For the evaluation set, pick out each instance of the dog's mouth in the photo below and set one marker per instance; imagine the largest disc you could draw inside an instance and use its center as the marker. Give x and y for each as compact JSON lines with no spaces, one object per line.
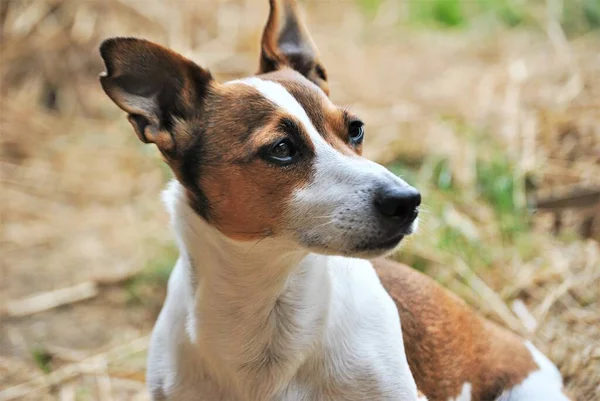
{"x":392,"y":242}
{"x":360,"y":240}
{"x":380,"y":246}
{"x":387,"y":243}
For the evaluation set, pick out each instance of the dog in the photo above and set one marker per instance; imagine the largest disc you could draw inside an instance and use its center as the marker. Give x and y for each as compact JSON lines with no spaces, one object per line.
{"x":281,"y":291}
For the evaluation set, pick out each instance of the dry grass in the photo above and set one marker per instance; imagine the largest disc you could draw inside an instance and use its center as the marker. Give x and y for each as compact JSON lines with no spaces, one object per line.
{"x":486,"y":121}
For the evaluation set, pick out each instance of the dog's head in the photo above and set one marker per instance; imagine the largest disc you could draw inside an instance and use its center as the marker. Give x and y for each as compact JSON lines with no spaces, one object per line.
{"x":268,"y":155}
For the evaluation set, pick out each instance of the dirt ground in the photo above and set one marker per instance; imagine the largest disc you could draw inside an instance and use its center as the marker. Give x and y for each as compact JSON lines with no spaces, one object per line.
{"x":80,"y":196}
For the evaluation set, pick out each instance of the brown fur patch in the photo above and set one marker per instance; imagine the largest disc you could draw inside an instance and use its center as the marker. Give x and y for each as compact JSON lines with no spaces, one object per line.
{"x":447,"y":344}
{"x":248,"y":199}
{"x":245,"y":195}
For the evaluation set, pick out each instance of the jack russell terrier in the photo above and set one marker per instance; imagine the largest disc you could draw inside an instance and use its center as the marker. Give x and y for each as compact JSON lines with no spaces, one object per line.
{"x":278,"y":293}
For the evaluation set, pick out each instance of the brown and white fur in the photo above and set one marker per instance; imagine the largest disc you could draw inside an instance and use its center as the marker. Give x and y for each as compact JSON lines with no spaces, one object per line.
{"x":276,"y":216}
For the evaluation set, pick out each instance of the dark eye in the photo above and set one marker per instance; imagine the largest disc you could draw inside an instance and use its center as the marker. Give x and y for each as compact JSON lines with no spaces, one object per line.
{"x":282,"y":151}
{"x":320,"y":72}
{"x":357,"y":132}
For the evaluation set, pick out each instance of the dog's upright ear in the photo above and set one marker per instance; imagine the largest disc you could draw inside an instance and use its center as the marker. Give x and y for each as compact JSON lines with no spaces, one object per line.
{"x":286,"y":42}
{"x":158,"y":88}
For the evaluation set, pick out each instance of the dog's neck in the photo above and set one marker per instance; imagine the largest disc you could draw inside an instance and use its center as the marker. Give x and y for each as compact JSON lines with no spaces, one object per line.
{"x":258,"y":307}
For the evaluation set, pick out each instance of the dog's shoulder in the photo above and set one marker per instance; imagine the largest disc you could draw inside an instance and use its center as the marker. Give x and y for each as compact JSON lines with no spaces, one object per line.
{"x":482,"y":360}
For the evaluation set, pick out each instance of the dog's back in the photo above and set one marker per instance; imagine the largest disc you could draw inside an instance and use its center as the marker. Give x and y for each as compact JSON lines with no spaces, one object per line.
{"x":453,"y":352}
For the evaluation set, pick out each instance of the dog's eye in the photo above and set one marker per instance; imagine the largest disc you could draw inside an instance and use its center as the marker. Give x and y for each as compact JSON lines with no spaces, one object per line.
{"x":282,"y":151}
{"x":357,"y":132}
{"x":320,"y":72}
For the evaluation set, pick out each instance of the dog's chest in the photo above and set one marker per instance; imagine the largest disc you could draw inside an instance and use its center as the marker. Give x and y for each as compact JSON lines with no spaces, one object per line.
{"x":361,"y":355}
{"x":357,"y":355}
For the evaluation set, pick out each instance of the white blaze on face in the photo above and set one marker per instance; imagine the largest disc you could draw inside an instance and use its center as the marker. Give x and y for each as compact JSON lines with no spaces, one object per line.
{"x":277,"y":94}
{"x":335,"y":209}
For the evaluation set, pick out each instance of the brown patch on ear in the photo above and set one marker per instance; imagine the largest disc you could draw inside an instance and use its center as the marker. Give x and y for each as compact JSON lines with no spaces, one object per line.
{"x":448,"y":344}
{"x":287,"y":43}
{"x":157,"y":87}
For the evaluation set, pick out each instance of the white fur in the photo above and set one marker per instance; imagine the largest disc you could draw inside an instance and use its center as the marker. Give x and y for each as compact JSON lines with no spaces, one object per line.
{"x":465,"y":394}
{"x":267,"y":321}
{"x":542,"y":384}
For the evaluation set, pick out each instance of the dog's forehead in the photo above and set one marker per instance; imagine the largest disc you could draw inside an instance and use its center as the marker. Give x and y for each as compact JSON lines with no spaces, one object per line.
{"x":238,"y":111}
{"x":313,"y":100}
{"x":309,"y":95}
{"x":291,"y":93}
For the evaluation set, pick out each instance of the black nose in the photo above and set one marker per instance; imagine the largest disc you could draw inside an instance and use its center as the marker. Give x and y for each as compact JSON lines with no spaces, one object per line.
{"x":398,"y":202}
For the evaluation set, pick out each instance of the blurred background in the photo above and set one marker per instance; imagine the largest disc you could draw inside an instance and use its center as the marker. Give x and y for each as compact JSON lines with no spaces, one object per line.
{"x":491,"y":108}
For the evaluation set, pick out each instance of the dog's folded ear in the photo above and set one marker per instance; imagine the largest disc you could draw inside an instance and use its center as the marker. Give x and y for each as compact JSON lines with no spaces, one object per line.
{"x":287,"y":43}
{"x":157,"y":87}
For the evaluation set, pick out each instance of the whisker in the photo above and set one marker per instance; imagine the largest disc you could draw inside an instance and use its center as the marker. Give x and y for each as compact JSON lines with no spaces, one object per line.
{"x":324,"y":224}
{"x":322,"y":217}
